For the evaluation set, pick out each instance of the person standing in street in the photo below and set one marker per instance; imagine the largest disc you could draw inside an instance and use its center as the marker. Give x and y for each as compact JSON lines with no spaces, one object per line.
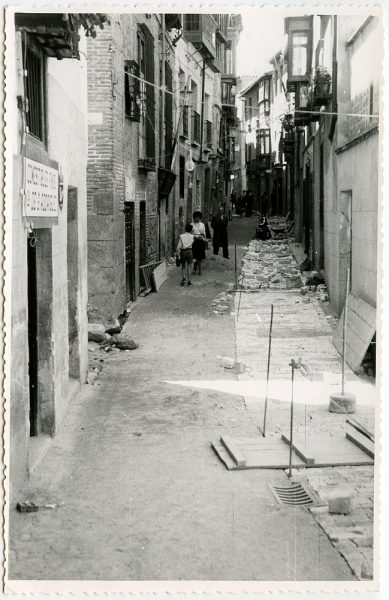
{"x":219,"y":225}
{"x":198,"y":248}
{"x":184,"y":251}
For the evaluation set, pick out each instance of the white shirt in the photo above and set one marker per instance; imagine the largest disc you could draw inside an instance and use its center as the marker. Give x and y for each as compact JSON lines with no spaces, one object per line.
{"x":198,"y":229}
{"x":185,"y":241}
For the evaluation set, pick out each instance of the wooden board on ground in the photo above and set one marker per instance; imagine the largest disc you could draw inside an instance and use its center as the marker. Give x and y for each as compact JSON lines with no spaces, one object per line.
{"x":361,"y":428}
{"x":326,"y":450}
{"x":159,"y":276}
{"x":361,"y":326}
{"x":256,"y":453}
{"x":362,"y":442}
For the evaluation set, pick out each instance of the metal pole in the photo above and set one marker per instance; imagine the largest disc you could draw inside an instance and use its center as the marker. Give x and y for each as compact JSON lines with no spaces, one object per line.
{"x":345,"y":329}
{"x":291,"y":423}
{"x":236,"y":279}
{"x":268,"y":370}
{"x":240,"y":297}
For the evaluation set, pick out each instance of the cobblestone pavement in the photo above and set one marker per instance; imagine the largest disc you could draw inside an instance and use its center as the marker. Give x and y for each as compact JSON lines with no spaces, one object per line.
{"x":301,"y":328}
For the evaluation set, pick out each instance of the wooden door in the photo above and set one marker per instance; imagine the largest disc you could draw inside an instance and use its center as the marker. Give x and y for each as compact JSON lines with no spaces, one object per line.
{"x":129,"y":219}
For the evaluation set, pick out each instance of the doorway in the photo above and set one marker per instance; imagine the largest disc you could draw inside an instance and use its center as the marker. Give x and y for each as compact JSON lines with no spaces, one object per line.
{"x":129,"y":228}
{"x":142,"y":233}
{"x":307,"y":211}
{"x":162,"y":228}
{"x":73,"y":273}
{"x":321,"y":209}
{"x":32,"y":303}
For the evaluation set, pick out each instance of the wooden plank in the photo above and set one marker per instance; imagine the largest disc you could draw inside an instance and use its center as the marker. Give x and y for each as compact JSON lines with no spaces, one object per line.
{"x":362,"y":442}
{"x":360,"y":427}
{"x":331,"y":450}
{"x":259,"y":453}
{"x":159,"y":276}
{"x":233,"y":450}
{"x":309,"y":460}
{"x":223,"y":455}
{"x":361,"y":326}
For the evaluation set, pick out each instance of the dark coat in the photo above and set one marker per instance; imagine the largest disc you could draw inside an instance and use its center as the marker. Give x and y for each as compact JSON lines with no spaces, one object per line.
{"x":219,"y":225}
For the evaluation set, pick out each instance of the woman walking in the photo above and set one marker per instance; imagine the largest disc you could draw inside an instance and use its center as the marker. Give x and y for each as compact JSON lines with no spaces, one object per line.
{"x":184,"y":251}
{"x":198,"y":230}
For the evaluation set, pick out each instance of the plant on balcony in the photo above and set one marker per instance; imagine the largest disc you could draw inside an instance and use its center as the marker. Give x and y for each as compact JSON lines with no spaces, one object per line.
{"x":322,"y":80}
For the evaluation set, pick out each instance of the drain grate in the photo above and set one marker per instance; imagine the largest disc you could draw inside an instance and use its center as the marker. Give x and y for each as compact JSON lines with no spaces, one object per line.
{"x":295,"y":494}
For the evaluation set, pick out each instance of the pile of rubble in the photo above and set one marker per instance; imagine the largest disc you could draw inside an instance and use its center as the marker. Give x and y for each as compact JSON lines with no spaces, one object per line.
{"x":269,"y":264}
{"x":106,"y":338}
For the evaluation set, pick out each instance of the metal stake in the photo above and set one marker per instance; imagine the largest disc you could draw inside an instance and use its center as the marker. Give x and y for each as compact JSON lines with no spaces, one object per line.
{"x":240,"y":297}
{"x":293,"y":365}
{"x":267,"y":375}
{"x":345,"y":329}
{"x":236,"y":279}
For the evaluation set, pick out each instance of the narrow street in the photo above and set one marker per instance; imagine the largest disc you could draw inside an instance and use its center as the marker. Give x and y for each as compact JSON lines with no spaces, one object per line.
{"x":135,"y":491}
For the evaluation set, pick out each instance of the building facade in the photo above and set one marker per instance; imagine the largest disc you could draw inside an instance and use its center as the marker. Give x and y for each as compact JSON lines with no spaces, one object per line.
{"x":48,"y":129}
{"x":159,"y":144}
{"x":124,"y":220}
{"x":336,"y":138}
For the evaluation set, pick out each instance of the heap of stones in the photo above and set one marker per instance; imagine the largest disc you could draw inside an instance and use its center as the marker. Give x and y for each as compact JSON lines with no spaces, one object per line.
{"x":269,"y":264}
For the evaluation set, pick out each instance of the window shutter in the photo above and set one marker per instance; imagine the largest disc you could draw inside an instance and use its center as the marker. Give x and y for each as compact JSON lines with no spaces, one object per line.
{"x":150,"y":93}
{"x":168,"y":116}
{"x":132,"y":90}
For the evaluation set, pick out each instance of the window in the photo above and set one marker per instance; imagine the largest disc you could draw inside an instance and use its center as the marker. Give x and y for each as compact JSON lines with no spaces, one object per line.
{"x":192,"y":22}
{"x":182,"y":176}
{"x":299,"y":49}
{"x":264,"y":141}
{"x":35,"y":90}
{"x":147,"y":119}
{"x":132,"y":90}
{"x":226,"y":92}
{"x":229,"y":65}
{"x":185,"y":121}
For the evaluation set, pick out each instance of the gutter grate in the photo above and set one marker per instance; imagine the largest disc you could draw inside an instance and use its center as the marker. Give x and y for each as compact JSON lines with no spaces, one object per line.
{"x":295,"y":494}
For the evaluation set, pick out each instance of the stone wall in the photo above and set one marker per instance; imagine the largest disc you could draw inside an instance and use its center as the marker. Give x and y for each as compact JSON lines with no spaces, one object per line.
{"x":57,"y":255}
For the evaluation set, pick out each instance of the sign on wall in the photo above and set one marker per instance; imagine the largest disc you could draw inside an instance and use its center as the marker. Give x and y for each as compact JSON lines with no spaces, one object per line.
{"x":41,"y":190}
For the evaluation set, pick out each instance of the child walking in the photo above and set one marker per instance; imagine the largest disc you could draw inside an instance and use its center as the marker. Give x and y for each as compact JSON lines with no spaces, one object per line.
{"x":184,"y":250}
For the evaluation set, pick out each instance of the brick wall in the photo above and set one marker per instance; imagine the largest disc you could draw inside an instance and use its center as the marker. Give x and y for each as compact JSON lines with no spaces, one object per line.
{"x":114,"y":178}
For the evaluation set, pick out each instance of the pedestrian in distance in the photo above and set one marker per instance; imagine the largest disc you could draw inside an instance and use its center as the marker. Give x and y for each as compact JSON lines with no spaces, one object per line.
{"x":219,"y":225}
{"x":198,"y":248}
{"x":184,"y":251}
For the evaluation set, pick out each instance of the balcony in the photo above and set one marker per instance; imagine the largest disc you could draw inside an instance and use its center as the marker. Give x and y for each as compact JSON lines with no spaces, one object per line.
{"x":200,"y":30}
{"x":221,"y":30}
{"x":196,"y":138}
{"x":217,"y":65}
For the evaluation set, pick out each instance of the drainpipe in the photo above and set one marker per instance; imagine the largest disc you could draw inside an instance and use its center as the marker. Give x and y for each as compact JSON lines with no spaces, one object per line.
{"x":202,"y":112}
{"x":202,"y":116}
{"x":162,"y":128}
